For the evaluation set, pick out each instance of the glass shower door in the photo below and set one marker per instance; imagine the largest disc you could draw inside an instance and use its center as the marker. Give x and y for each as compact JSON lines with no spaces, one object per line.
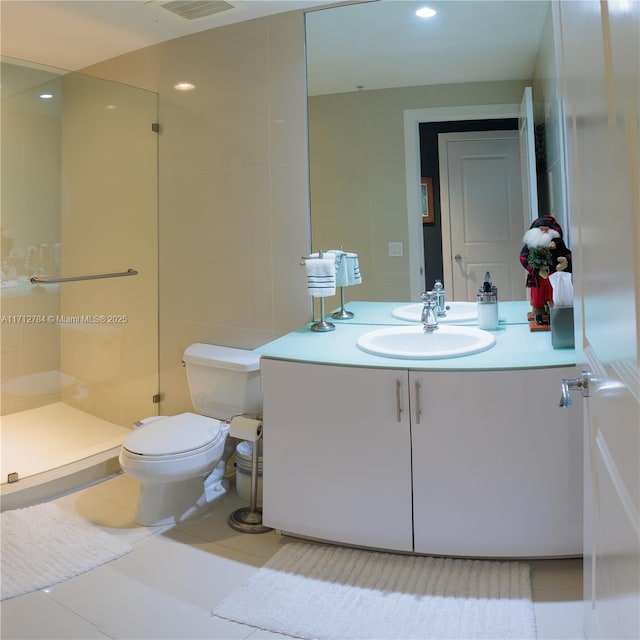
{"x":79,"y":297}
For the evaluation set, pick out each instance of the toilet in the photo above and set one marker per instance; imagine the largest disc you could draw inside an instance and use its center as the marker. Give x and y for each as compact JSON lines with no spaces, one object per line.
{"x":180,"y":460}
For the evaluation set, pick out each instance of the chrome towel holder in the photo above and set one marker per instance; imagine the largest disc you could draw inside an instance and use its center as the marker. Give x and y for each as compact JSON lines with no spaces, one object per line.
{"x":99,"y":276}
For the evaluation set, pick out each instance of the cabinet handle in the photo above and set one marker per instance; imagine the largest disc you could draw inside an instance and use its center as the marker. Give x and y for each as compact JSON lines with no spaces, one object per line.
{"x":398,"y":407}
{"x":418,"y":408}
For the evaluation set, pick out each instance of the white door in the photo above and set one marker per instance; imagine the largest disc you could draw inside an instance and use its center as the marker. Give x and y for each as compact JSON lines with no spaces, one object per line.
{"x":482,"y":212}
{"x":602,"y":97}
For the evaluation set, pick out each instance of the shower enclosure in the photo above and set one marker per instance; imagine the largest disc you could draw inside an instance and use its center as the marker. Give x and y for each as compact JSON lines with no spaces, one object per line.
{"x":79,"y":286}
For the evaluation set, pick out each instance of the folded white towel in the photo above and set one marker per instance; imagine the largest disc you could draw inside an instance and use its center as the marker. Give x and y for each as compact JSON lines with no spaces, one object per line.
{"x":342,"y":279}
{"x":321,"y":275}
{"x":347,"y":268}
{"x":352,"y":269}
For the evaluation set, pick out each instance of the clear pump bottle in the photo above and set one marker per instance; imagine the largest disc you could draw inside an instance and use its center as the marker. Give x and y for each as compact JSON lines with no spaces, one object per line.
{"x":487,"y":301}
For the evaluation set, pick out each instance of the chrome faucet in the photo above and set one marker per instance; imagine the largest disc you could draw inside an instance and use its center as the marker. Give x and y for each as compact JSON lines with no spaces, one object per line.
{"x":438,"y":289}
{"x":429,"y":316}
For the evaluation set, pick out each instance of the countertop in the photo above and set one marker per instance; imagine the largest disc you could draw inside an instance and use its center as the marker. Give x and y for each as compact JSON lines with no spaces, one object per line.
{"x":512,"y":312}
{"x":516,"y":346}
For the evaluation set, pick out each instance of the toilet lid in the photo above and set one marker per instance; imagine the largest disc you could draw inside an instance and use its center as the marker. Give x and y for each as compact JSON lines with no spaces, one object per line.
{"x":173,"y":435}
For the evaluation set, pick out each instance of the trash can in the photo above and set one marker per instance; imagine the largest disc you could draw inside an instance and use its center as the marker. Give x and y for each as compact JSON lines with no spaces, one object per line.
{"x":561,"y":320}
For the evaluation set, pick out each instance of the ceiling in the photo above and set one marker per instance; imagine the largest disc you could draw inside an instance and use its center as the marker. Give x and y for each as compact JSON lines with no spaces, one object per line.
{"x":73,"y":34}
{"x":371,"y":45}
{"x":383,"y":44}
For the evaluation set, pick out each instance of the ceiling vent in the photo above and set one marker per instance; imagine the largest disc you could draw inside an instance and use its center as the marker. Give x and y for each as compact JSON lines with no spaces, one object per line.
{"x":195,"y":9}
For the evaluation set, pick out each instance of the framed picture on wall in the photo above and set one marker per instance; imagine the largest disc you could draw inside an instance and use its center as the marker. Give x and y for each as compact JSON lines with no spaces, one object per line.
{"x":426,"y":199}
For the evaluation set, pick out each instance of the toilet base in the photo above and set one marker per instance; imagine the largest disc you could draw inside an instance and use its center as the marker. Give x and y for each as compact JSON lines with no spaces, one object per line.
{"x":161,"y":504}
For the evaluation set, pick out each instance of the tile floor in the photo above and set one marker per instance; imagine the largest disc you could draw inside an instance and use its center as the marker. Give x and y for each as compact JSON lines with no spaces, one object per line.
{"x":166,"y":586}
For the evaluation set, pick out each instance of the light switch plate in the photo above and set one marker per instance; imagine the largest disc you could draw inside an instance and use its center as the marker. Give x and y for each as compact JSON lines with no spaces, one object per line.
{"x":396,"y":249}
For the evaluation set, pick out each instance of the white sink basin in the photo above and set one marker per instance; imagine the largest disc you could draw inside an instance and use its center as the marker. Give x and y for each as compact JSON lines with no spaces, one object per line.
{"x":414,"y":342}
{"x":456,"y":312}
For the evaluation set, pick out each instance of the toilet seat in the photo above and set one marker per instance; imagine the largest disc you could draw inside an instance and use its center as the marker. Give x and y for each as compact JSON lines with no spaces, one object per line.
{"x":173,"y":437}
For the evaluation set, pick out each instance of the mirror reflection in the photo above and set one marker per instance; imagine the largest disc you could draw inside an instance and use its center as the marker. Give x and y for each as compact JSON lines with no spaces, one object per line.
{"x":384,"y":87}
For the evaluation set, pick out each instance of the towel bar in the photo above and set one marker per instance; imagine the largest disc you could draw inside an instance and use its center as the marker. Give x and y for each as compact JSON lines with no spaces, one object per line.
{"x":49,"y":280}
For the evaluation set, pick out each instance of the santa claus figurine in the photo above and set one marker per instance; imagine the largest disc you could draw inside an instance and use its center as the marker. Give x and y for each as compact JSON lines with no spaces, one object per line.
{"x":543,"y":253}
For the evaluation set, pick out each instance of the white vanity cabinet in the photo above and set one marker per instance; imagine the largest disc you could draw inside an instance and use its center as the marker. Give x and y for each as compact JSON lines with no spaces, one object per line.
{"x":337,"y":457}
{"x":497,"y":465}
{"x":468,"y":463}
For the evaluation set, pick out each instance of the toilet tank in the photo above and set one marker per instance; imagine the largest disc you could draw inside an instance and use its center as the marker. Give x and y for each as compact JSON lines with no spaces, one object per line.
{"x":223,"y":381}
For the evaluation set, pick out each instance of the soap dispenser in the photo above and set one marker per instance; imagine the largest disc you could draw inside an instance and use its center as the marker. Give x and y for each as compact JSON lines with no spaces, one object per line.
{"x":488,"y":304}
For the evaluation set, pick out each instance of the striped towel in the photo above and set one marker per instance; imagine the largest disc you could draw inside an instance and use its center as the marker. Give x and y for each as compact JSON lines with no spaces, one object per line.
{"x":347,"y":268}
{"x":353,"y":269}
{"x":321,"y":275}
{"x":342,"y":278}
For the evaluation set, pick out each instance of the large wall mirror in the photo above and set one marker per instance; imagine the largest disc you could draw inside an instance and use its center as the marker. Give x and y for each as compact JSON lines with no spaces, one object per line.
{"x":375,"y":72}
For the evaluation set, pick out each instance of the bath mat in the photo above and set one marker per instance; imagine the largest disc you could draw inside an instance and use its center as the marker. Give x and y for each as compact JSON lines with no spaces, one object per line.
{"x":44,"y":544}
{"x":336,"y":593}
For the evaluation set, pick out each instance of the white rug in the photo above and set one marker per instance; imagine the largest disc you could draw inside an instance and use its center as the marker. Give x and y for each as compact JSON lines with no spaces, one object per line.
{"x":43,"y":545}
{"x":336,"y":593}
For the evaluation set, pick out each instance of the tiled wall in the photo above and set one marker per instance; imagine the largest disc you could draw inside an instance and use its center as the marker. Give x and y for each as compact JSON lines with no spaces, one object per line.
{"x":233,"y":186}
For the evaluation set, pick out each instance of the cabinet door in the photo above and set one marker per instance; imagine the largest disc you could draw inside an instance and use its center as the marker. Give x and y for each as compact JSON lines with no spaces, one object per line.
{"x":337,"y":456}
{"x":497,"y":465}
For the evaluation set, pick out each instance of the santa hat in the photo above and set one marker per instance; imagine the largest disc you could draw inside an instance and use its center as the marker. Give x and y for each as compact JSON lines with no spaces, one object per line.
{"x":547,"y":221}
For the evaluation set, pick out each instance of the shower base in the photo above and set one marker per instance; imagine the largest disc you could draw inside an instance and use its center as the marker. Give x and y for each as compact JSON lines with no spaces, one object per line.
{"x":55,"y":449}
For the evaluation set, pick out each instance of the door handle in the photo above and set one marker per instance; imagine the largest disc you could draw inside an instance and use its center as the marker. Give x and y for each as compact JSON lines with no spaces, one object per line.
{"x":418,"y":407}
{"x":574,"y":384}
{"x":458,"y":257}
{"x":398,"y":403}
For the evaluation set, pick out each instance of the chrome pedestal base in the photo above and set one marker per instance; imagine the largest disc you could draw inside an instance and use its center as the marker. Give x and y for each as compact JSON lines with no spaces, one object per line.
{"x":323,"y":326}
{"x":247,"y":520}
{"x":342,"y":315}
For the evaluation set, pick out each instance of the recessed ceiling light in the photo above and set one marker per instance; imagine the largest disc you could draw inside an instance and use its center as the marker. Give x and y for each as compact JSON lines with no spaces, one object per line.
{"x":46,"y":96}
{"x":184,"y":86}
{"x":425,"y":12}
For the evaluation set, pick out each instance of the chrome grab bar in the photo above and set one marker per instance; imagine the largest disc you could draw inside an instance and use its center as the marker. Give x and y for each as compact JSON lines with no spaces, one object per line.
{"x":48,"y":280}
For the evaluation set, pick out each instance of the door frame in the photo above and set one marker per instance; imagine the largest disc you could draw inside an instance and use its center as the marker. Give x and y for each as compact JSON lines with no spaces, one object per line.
{"x":412,"y":120}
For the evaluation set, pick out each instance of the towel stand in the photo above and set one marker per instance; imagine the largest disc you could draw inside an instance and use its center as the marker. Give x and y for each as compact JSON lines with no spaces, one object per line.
{"x":249,"y":520}
{"x":342,"y":314}
{"x":322,"y":325}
